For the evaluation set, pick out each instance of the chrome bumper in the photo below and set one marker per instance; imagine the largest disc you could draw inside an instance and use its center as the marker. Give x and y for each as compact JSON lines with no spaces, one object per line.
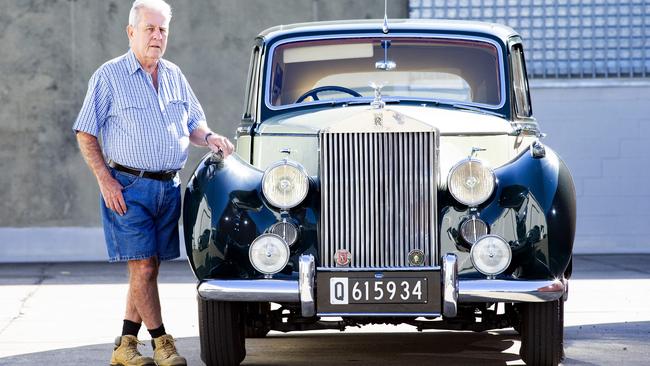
{"x":454,"y":290}
{"x":265,"y":290}
{"x":457,"y":290}
{"x":510,"y":290}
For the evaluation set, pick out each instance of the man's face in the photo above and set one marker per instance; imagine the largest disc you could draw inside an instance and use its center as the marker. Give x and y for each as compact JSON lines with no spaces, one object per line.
{"x":148,"y":39}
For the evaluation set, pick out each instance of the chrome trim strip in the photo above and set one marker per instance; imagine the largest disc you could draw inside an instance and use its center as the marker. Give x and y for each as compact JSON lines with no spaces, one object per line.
{"x":283,"y":134}
{"x":380,"y":314}
{"x":306,"y":285}
{"x":250,"y":290}
{"x":510,"y":290}
{"x":450,"y":285}
{"x":267,"y":57}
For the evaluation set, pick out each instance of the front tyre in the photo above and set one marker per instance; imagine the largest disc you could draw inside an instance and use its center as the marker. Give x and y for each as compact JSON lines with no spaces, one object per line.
{"x":221,"y":332}
{"x":542,"y":333}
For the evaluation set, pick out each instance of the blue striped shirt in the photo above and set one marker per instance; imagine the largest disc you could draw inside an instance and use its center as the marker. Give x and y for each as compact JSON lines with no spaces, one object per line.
{"x":140,"y":128}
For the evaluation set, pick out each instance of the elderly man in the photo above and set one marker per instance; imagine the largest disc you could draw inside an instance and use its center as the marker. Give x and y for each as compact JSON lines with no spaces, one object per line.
{"x":146,"y":114}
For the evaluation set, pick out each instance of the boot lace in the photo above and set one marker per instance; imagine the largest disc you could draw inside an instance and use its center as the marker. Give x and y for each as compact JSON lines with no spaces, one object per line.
{"x":167,"y":347}
{"x":131,"y":349}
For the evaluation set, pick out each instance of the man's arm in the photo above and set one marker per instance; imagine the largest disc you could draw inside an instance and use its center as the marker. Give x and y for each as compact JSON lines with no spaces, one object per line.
{"x":111,"y":189}
{"x":215,"y":142}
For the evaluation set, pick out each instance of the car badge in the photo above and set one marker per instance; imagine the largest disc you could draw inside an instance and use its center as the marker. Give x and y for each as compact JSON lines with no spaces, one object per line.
{"x":416,"y":257}
{"x":342,"y":258}
{"x":379,"y":119}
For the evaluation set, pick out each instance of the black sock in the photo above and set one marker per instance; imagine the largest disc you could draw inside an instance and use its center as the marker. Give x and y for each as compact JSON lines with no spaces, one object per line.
{"x":130,"y":328}
{"x":160,"y":331}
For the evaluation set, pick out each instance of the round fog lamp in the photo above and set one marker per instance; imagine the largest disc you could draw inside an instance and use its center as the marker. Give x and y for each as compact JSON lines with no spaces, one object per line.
{"x":473,"y":229}
{"x":286,"y":231}
{"x":491,"y":255}
{"x":269,"y":254}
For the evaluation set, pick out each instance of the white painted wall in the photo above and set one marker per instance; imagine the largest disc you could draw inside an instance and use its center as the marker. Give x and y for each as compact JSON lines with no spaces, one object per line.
{"x":602,"y":131}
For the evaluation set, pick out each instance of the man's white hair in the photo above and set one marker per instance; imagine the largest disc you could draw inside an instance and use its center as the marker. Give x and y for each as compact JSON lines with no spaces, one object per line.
{"x":160,"y":5}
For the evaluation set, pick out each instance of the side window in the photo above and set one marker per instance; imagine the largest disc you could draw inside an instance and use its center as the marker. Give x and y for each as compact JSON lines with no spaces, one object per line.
{"x":251,"y":85}
{"x":520,"y":82}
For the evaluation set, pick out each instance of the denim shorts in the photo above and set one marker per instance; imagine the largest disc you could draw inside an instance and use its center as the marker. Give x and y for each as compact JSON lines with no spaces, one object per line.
{"x":149,"y":228}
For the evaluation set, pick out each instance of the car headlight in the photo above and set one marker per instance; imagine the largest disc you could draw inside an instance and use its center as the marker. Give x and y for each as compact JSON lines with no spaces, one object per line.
{"x":491,"y":255}
{"x":285,"y":184}
{"x":269,"y":254}
{"x":471,"y":182}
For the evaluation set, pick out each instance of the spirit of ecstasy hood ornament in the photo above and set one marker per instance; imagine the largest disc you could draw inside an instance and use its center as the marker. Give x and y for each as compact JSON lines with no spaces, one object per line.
{"x":378,"y":104}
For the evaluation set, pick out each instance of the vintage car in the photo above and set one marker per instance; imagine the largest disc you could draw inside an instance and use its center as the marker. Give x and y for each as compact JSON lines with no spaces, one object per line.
{"x":385,"y":172}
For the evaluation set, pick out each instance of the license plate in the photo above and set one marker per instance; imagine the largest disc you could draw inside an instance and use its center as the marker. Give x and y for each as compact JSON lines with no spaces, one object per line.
{"x":378,"y":292}
{"x":344,"y":290}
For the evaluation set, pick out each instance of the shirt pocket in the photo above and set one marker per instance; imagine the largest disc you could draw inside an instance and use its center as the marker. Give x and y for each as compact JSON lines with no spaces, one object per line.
{"x":133,"y":111}
{"x":177,"y":112}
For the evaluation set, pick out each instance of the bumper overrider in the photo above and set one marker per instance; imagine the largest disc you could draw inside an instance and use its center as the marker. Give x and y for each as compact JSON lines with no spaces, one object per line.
{"x":455,"y":290}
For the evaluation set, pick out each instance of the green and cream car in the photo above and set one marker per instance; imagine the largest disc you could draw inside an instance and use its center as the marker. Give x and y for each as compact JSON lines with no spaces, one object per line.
{"x":385,"y":172}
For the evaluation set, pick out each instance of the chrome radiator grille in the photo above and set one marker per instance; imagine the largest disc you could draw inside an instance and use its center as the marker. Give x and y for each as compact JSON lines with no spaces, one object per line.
{"x":378,"y":193}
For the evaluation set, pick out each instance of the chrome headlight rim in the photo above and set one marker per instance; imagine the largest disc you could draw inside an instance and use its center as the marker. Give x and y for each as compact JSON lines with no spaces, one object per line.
{"x":481,"y":270}
{"x":460,"y":199}
{"x":269,"y":170}
{"x":262,"y":237}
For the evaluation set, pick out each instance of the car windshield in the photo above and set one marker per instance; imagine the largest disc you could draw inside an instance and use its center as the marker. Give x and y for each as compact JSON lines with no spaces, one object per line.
{"x":465,"y":71}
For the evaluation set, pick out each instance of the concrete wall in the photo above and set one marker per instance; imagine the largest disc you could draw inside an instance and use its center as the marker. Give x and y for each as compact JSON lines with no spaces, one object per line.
{"x":49,"y":199}
{"x":49,"y":49}
{"x":602,"y":131}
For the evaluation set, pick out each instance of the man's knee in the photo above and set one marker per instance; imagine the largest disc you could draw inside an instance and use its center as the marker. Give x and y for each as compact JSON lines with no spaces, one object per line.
{"x":144,"y":269}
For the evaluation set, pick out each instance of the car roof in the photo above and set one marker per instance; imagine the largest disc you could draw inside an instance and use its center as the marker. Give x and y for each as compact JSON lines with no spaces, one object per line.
{"x":401,"y":25}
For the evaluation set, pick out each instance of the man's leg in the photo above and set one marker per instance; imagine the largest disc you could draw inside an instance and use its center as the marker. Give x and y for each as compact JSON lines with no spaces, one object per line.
{"x":143,"y":301}
{"x":142,"y":294}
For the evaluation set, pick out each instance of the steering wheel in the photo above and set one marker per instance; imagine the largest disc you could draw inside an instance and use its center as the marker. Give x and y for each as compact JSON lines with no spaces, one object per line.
{"x":314,"y":92}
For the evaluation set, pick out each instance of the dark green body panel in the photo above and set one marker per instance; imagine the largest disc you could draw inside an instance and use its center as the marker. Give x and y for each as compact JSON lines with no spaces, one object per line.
{"x":533,"y":208}
{"x":224,"y":211}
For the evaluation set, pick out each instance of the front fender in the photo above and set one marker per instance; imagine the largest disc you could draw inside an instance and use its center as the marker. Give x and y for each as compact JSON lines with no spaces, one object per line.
{"x":223,"y":212}
{"x":533,"y":208}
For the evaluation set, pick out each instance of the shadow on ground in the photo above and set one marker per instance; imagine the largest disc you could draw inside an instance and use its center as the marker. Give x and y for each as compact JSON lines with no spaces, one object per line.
{"x":600,"y":344}
{"x":428,"y":348}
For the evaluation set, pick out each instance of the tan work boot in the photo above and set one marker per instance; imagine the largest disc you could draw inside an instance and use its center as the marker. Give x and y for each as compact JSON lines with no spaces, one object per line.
{"x":126,"y":353}
{"x":164,"y":352}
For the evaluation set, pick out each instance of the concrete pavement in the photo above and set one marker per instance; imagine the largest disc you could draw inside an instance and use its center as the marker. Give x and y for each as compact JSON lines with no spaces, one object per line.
{"x":68,"y":314}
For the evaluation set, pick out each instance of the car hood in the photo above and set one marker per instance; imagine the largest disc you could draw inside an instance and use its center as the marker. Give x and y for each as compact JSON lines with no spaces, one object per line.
{"x":461,"y":133}
{"x":393,"y":117}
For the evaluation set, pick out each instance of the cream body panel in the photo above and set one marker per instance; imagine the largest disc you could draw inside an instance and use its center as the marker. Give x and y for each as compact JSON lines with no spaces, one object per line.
{"x":447,"y":121}
{"x":304,"y":150}
{"x":499,"y":150}
{"x":459,"y":132}
{"x":243,"y":147}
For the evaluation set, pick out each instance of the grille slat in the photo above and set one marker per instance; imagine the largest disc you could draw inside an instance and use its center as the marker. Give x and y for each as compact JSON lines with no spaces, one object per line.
{"x":378,"y":195}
